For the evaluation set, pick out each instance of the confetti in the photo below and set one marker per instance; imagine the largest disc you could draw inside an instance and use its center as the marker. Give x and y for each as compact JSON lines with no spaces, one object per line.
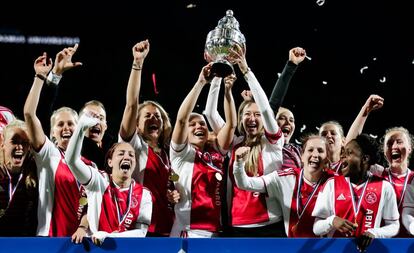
{"x":298,"y":142}
{"x":307,"y":57}
{"x":373,"y":136}
{"x":279,"y":74}
{"x":190,"y":6}
{"x":324,"y":82}
{"x":320,"y":2}
{"x":317,"y":128}
{"x":363,"y":68}
{"x":154,"y":82}
{"x":383,"y":79}
{"x":374,"y":59}
{"x":412,"y":62}
{"x":302,"y":128}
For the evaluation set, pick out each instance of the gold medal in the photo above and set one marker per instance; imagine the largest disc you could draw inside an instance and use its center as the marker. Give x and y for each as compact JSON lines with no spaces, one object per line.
{"x":83,"y":201}
{"x":2,"y":212}
{"x":174,"y":177}
{"x":219,"y":177}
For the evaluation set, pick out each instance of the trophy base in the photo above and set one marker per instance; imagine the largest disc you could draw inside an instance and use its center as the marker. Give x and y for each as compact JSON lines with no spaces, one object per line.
{"x":222,"y":68}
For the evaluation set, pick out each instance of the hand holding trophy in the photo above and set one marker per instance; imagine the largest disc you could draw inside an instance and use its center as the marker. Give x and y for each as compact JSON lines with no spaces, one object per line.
{"x":218,"y":43}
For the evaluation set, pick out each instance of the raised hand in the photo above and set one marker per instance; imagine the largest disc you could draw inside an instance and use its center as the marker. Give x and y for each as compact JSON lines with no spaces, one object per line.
{"x":205,"y":74}
{"x":229,"y":80}
{"x":88,"y":119}
{"x":238,"y":55}
{"x":297,"y":55}
{"x":140,"y":51}
{"x":247,"y":95}
{"x":63,"y":60}
{"x":42,"y":66}
{"x":374,"y":102}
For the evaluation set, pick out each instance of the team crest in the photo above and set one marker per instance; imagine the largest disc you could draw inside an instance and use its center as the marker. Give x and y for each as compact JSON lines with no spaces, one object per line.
{"x":371,"y":198}
{"x":134,"y":202}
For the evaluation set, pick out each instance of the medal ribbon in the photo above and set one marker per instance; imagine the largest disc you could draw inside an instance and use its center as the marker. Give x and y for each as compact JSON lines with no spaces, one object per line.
{"x":11,"y":188}
{"x":121,"y":217}
{"x":404,"y":187}
{"x":351,"y":189}
{"x":298,"y":202}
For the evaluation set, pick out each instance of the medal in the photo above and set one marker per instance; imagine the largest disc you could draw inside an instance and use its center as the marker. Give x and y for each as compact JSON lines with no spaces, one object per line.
{"x":174,"y":176}
{"x":219,"y":177}
{"x":2,"y":212}
{"x":294,"y":228}
{"x":83,"y":201}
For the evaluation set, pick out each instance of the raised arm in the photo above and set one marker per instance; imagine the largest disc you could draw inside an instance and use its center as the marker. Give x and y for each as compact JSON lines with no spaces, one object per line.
{"x":296,"y":56}
{"x":374,"y":102}
{"x":179,"y":135}
{"x":213,"y":117}
{"x":36,"y":134}
{"x":80,"y":170}
{"x":129,"y":119}
{"x":226,"y":134}
{"x":63,"y":62}
{"x":244,"y":182}
{"x":269,"y":121}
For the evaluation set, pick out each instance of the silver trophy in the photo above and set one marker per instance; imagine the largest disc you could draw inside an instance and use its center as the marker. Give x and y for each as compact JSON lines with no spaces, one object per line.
{"x":225,"y":36}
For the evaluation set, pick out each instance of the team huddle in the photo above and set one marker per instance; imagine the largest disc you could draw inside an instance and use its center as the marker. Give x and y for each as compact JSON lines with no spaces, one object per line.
{"x":242,"y":178}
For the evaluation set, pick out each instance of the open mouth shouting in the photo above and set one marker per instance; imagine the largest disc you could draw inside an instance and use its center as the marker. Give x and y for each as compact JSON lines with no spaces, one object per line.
{"x":95,"y":131}
{"x":66,"y":135}
{"x":17,"y":157}
{"x":126,"y":166}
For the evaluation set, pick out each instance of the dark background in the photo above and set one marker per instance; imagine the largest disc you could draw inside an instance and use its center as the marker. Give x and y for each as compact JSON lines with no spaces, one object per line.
{"x":340,"y":36}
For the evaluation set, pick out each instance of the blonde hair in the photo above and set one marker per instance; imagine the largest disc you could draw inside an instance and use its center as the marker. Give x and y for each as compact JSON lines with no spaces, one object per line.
{"x":255,"y":142}
{"x":31,"y":178}
{"x":165,"y":135}
{"x":335,"y":123}
{"x":402,"y":130}
{"x":54,"y":115}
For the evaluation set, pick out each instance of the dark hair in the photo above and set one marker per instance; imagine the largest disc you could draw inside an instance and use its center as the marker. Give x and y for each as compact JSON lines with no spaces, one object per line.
{"x":368,"y":146}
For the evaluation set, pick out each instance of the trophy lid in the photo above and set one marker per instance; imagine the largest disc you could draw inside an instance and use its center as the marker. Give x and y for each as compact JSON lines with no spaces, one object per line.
{"x":228,"y":21}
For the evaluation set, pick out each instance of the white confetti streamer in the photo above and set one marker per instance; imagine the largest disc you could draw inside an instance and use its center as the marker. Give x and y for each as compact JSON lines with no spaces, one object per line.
{"x":320,"y":2}
{"x":324,"y":82}
{"x":189,"y":6}
{"x":302,"y":128}
{"x":373,"y":136}
{"x":279,"y":74}
{"x":298,"y":142}
{"x":363,"y":68}
{"x":317,"y":128}
{"x":307,"y":57}
{"x":374,"y":59}
{"x":383,"y":79}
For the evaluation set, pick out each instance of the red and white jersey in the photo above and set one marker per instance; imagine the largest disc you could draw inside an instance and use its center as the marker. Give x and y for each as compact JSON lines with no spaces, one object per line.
{"x":336,"y":167}
{"x":111,"y":208}
{"x":297,"y":197}
{"x":153,"y":171}
{"x":59,"y":193}
{"x":366,"y":204}
{"x":399,"y":183}
{"x":200,"y":187}
{"x":252,"y":209}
